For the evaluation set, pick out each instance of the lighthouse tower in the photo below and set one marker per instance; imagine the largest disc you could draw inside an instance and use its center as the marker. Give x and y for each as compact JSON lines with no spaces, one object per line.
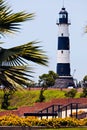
{"x":63,"y":55}
{"x":63,"y":51}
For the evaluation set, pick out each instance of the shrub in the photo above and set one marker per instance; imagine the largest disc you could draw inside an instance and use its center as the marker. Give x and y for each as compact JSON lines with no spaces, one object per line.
{"x":84,"y":93}
{"x":71,"y":93}
{"x":5,"y":104}
{"x":13,"y":120}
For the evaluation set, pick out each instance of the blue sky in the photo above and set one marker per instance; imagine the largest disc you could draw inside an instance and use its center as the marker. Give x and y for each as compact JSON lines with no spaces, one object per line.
{"x":43,"y":28}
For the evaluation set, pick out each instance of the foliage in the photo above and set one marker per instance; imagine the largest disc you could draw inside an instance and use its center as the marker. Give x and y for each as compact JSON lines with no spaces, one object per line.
{"x":14,"y":65}
{"x":13,"y":120}
{"x":9,"y":21}
{"x":84,"y":93}
{"x":41,"y":96}
{"x":29,"y":97}
{"x":47,"y":80}
{"x":5,"y":102}
{"x":84,"y":82}
{"x":71,"y":93}
{"x":6,"y":98}
{"x":85,"y":78}
{"x":30,"y":85}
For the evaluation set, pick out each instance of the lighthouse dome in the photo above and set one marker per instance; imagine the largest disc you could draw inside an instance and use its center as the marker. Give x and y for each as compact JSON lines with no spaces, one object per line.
{"x":63,"y":10}
{"x":63,"y":16}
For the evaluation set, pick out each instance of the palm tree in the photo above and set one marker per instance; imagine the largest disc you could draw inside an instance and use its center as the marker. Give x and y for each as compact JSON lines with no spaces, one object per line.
{"x":14,"y":68}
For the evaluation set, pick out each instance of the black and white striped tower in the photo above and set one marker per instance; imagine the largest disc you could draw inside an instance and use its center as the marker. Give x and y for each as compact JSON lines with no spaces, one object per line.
{"x":63,"y":51}
{"x":63,"y":55}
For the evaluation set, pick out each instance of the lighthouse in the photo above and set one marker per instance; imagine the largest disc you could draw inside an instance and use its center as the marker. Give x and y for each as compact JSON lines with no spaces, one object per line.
{"x":63,"y":51}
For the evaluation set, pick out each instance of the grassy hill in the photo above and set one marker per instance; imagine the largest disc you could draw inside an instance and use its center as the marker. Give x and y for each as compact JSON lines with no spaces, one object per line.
{"x":29,"y":97}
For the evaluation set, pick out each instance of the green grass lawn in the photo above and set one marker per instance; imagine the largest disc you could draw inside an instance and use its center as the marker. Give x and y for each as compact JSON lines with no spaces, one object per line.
{"x":67,"y":129}
{"x":29,"y":97}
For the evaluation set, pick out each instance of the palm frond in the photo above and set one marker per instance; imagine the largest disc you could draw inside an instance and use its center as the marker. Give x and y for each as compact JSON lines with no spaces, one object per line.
{"x":9,"y":21}
{"x":12,"y":61}
{"x":18,"y":55}
{"x":10,"y":75}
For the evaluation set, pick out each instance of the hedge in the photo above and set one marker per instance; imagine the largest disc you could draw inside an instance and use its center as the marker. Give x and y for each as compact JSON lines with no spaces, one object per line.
{"x":13,"y":120}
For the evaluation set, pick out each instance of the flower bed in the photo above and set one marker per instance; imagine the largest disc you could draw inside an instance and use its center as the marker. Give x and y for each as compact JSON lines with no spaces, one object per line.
{"x":28,"y":122}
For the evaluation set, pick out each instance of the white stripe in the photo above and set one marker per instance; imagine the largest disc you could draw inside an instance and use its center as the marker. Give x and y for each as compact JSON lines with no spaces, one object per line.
{"x":63,"y":30}
{"x":63,"y":56}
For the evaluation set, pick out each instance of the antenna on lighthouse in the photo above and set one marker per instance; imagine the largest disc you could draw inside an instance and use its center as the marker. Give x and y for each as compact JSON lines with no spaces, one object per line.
{"x":63,"y":3}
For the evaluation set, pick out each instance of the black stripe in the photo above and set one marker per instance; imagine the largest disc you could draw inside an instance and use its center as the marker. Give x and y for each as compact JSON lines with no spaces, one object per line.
{"x":63,"y":43}
{"x":63,"y":69}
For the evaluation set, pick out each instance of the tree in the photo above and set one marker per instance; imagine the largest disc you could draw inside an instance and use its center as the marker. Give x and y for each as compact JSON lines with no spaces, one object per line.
{"x":84,"y":82}
{"x":14,"y":68}
{"x":45,"y":81}
{"x":85,"y":78}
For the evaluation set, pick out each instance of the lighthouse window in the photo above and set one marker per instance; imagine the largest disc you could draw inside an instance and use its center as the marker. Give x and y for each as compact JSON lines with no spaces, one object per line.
{"x":62,"y":52}
{"x":61,"y":34}
{"x":64,"y":15}
{"x":60,"y":15}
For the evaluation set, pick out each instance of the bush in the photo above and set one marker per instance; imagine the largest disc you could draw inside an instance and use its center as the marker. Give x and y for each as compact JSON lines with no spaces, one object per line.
{"x":84,"y":93}
{"x":13,"y":120}
{"x":71,"y":93}
{"x":5,"y":104}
